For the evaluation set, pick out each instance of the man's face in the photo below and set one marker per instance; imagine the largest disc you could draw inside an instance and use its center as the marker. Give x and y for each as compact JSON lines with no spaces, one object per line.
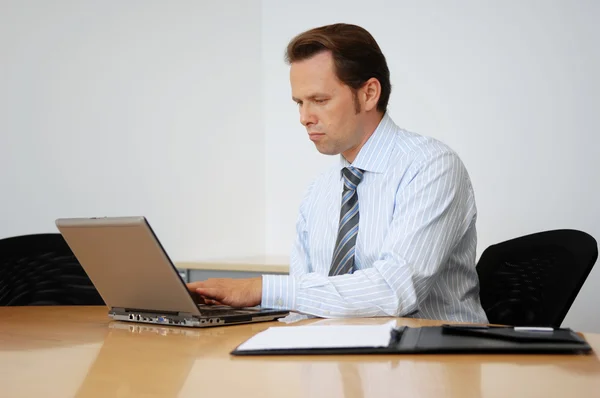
{"x":328,"y":109}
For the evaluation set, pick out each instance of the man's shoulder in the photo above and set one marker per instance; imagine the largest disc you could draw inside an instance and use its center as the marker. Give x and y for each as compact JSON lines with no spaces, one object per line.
{"x":326,"y":175}
{"x":323,"y":179}
{"x":418,"y":147}
{"x":413,"y":153}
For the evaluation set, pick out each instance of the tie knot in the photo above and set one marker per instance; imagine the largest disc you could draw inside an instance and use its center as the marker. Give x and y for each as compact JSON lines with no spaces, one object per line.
{"x":352,"y":177}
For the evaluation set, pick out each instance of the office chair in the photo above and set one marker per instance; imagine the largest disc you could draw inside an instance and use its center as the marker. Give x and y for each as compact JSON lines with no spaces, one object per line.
{"x":41,"y":269}
{"x":534,"y":279}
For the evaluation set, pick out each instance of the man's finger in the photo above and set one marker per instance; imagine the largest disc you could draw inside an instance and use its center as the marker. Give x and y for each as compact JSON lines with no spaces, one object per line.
{"x":192,"y":286}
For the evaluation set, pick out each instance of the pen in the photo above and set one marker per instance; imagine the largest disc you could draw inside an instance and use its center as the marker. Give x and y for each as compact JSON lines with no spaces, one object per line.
{"x":515,"y":328}
{"x":532,"y":329}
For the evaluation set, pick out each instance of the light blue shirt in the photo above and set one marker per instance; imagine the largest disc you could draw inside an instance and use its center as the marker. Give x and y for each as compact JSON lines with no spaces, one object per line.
{"x":416,"y":245}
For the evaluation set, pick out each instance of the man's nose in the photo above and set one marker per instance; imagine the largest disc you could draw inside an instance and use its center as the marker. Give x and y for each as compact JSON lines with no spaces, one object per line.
{"x":306,"y":117}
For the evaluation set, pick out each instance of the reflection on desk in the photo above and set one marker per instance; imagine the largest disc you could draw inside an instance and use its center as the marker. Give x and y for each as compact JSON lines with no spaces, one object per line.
{"x":126,"y":363}
{"x":67,"y":351}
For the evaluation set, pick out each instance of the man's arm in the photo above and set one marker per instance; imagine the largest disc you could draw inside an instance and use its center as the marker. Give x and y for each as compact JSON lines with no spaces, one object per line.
{"x":432,"y":214}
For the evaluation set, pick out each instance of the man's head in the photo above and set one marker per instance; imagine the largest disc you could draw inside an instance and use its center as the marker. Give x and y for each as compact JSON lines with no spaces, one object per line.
{"x":341,"y":83}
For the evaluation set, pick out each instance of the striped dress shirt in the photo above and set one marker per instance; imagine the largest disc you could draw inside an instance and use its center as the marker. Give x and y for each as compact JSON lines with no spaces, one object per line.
{"x":416,"y":244}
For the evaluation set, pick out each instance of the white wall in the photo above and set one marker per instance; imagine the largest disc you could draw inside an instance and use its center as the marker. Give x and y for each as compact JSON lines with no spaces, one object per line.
{"x":512,"y":86}
{"x":134,"y":108}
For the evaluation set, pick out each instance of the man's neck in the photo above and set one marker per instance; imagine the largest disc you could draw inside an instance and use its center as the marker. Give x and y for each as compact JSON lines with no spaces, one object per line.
{"x":370,"y":126}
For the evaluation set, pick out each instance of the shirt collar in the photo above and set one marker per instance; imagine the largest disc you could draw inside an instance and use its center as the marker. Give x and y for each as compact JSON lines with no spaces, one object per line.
{"x":374,"y":155}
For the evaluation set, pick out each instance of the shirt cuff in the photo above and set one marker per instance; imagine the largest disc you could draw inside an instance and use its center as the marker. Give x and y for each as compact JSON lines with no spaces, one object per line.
{"x":278,"y":292}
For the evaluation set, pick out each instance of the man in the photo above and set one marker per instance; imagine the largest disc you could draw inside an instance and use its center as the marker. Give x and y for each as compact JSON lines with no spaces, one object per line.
{"x":413,"y":251}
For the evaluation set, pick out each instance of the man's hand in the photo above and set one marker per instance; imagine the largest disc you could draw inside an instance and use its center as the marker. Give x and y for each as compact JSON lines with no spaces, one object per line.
{"x":233,"y":292}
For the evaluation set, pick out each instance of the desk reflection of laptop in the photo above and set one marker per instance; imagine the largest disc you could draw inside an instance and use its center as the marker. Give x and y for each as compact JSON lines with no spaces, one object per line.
{"x":143,"y":360}
{"x":136,"y":278}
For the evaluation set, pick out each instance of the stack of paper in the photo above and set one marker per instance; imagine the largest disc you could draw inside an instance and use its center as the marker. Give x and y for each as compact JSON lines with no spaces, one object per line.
{"x":298,"y":337}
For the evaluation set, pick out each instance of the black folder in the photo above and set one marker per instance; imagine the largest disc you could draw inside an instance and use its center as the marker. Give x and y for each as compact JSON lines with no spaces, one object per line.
{"x":457,"y":339}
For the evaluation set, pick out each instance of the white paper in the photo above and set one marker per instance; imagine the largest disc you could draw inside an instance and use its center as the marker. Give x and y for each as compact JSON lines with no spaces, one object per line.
{"x":301,"y":337}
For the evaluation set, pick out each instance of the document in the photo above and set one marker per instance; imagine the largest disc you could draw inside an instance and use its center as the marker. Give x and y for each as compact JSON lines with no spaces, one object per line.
{"x":332,"y":336}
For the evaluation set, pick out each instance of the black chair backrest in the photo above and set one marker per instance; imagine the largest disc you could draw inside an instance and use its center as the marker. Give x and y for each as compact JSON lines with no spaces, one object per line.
{"x":534,"y":279}
{"x":41,"y":269}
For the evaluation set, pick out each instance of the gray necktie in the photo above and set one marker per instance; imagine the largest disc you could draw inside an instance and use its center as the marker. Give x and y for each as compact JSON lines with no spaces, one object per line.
{"x":345,"y":246}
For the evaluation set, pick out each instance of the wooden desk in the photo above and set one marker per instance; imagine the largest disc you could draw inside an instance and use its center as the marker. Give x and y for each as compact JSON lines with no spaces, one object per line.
{"x":77,"y":352}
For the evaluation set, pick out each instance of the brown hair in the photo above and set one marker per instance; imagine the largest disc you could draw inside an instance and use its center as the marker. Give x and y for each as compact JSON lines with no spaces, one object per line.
{"x":356,"y":55}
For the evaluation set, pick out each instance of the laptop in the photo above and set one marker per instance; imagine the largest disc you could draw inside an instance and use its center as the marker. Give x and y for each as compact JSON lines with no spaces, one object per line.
{"x":136,"y":278}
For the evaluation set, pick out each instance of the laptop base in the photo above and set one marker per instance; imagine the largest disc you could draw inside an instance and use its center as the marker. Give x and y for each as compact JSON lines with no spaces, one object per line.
{"x":189,"y":320}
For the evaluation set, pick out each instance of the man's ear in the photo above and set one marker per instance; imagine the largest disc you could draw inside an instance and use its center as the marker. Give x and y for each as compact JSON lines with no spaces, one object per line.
{"x":371,"y":91}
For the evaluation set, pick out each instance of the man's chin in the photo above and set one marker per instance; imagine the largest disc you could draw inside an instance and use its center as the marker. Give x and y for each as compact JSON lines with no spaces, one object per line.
{"x":326,"y":151}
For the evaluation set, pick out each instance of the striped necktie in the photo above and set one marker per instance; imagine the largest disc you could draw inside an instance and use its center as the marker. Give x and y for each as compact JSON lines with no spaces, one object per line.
{"x":345,"y":246}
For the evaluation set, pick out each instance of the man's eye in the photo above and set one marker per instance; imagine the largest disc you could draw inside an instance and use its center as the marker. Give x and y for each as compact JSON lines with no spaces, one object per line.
{"x":320,"y":101}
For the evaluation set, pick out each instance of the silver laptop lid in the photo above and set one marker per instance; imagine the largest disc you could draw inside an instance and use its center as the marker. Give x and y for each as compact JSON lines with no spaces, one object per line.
{"x":127,"y":264}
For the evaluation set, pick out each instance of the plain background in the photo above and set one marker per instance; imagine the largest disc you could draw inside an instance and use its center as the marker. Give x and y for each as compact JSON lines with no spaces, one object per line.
{"x":181,"y":112}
